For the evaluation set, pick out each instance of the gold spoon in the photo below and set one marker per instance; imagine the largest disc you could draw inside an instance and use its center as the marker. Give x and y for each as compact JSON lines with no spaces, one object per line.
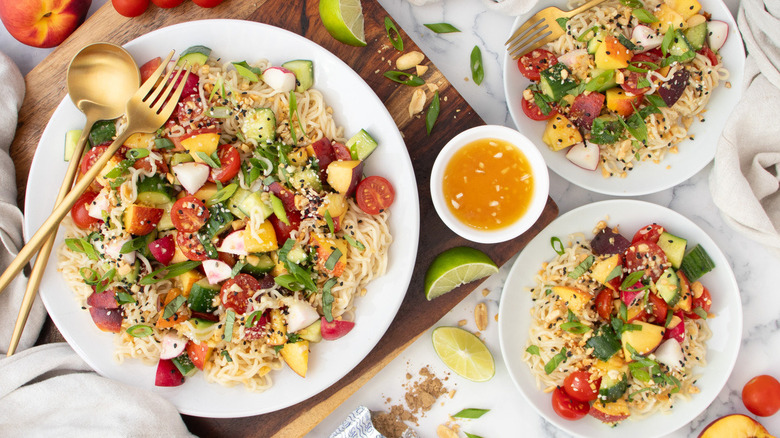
{"x":102,"y":77}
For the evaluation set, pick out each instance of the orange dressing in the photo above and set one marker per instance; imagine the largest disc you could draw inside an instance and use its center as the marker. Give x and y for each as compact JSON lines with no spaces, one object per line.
{"x":488,"y":184}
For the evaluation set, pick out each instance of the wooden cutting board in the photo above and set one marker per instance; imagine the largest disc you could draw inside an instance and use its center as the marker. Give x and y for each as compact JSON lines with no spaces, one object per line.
{"x":46,"y":87}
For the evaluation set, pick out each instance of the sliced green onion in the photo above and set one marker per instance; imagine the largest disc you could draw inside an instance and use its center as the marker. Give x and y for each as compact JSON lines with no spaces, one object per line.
{"x":433,"y":113}
{"x":471,"y":413}
{"x":623,"y":312}
{"x":477,"y":70}
{"x":351,"y":240}
{"x":556,"y":360}
{"x":230,"y":320}
{"x":82,"y":246}
{"x":171,"y":271}
{"x":327,"y":299}
{"x":557,"y":245}
{"x":667,"y":41}
{"x":409,"y":79}
{"x":253,"y":318}
{"x":631,"y":3}
{"x":562,"y":22}
{"x":442,"y":27}
{"x":173,"y":306}
{"x":139,"y":331}
{"x":219,"y":112}
{"x":575,"y":327}
{"x":616,"y":272}
{"x":222,"y":195}
{"x":628,"y":44}
{"x":583,"y":36}
{"x":394,"y":35}
{"x":209,"y":160}
{"x":133,"y":245}
{"x":631,"y":279}
{"x":137,"y":153}
{"x":236,"y":269}
{"x":471,"y":435}
{"x":329,"y":221}
{"x":302,"y":275}
{"x":582,"y":267}
{"x":288,"y":281}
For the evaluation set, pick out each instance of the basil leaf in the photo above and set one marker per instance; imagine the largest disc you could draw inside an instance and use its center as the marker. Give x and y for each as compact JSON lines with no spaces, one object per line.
{"x":628,"y":44}
{"x":623,"y":312}
{"x":226,"y":355}
{"x":409,"y":79}
{"x":119,"y":169}
{"x":556,"y":360}
{"x":533,"y":349}
{"x":139,"y":331}
{"x":562,"y":22}
{"x":606,"y":131}
{"x":208,"y":160}
{"x":133,"y":245}
{"x":656,"y":100}
{"x":327,"y":299}
{"x":605,"y":343}
{"x":162,"y":143}
{"x":173,"y":306}
{"x":136,"y":154}
{"x":616,"y":272}
{"x":600,"y":80}
{"x":355,"y":243}
{"x":230,"y":320}
{"x":394,"y":35}
{"x":288,"y":281}
{"x":581,"y":268}
{"x":669,"y":315}
{"x":667,"y":41}
{"x":557,"y":245}
{"x":644,"y":16}
{"x":302,"y":275}
{"x":477,"y":70}
{"x":171,"y":271}
{"x":247,"y":71}
{"x":631,"y":279}
{"x":642,"y":82}
{"x":236,"y":269}
{"x":82,"y":246}
{"x":442,"y":27}
{"x":433,"y":113}
{"x":124,"y":298}
{"x":543,"y":102}
{"x":472,"y":413}
{"x":333,"y":258}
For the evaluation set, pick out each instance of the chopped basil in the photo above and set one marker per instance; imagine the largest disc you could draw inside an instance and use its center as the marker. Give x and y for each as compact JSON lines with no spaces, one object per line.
{"x":82,"y":246}
{"x":668,"y":40}
{"x":471,"y":413}
{"x":557,"y":245}
{"x":543,"y":102}
{"x":442,"y":27}
{"x":230,"y":320}
{"x":355,"y":243}
{"x":631,"y":279}
{"x":632,"y":3}
{"x":628,"y":44}
{"x":226,"y":355}
{"x":211,"y":160}
{"x":701,"y":312}
{"x":173,"y":306}
{"x":302,"y":275}
{"x":134,"y":245}
{"x":137,"y":153}
{"x":570,"y":316}
{"x":327,"y":299}
{"x":247,"y":71}
{"x":631,"y":328}
{"x":532,"y":349}
{"x":642,"y":82}
{"x":644,"y":16}
{"x":409,"y":79}
{"x":333,"y":258}
{"x":162,"y":143}
{"x":433,"y":113}
{"x":623,"y":311}
{"x":600,"y":80}
{"x":288,"y":281}
{"x":556,"y":360}
{"x":562,"y":22}
{"x":655,"y":100}
{"x":139,"y":331}
{"x":171,"y":271}
{"x":394,"y":35}
{"x":635,"y":125}
{"x":477,"y":70}
{"x":584,"y":35}
{"x":236,"y":269}
{"x":124,"y":298}
{"x":669,"y":314}
{"x":606,"y":130}
{"x":208,"y":245}
{"x":329,"y":221}
{"x":605,"y":343}
{"x":581,"y":268}
{"x":616,"y":272}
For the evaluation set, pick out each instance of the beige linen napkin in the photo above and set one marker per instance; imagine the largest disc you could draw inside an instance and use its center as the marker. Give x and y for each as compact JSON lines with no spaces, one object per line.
{"x":744,"y":180}
{"x":48,"y":390}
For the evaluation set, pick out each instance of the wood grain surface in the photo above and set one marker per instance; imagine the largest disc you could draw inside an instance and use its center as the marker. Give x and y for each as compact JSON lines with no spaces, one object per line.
{"x":46,"y":87}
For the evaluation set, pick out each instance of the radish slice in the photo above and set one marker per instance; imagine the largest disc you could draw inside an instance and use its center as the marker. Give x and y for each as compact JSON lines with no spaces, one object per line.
{"x":167,"y":374}
{"x":99,"y":205}
{"x":216,"y":270}
{"x":585,"y":155}
{"x":172,"y":346}
{"x":279,"y":78}
{"x":676,"y":332}
{"x":192,"y":175}
{"x":573,"y":57}
{"x":300,"y":315}
{"x":670,"y":353}
{"x":631,"y":297}
{"x":163,"y":249}
{"x":717,"y":33}
{"x":646,"y":37}
{"x":234,"y":244}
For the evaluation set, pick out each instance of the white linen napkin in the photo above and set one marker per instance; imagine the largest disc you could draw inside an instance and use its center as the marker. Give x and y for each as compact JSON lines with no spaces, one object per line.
{"x":744,"y":180}
{"x":49,"y":390}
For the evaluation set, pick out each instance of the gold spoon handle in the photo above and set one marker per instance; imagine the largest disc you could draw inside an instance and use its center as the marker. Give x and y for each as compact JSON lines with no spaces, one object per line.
{"x":59,"y":212}
{"x":43,"y":255}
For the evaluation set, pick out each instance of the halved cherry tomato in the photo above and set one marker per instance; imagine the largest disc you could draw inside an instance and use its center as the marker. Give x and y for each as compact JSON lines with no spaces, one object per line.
{"x":374,"y":194}
{"x":230,"y":161}
{"x":188,"y":214}
{"x":585,"y":108}
{"x":149,"y":68}
{"x":79,"y":212}
{"x":644,"y":59}
{"x":648,"y":233}
{"x":283,"y":230}
{"x":341,"y":152}
{"x":88,"y":160}
{"x":704,"y":302}
{"x":604,"y":304}
{"x":190,"y":246}
{"x":631,"y":82}
{"x":187,"y":110}
{"x":648,"y":256}
{"x":568,"y":408}
{"x":579,"y":387}
{"x":761,"y":395}
{"x":706,"y":51}
{"x":660,"y":308}
{"x":236,"y":292}
{"x":532,"y":63}
{"x":533,"y":112}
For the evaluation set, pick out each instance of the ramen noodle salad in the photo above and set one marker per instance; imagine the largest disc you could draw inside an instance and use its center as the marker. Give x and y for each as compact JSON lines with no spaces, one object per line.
{"x":618,"y":327}
{"x":235,"y":237}
{"x":626,"y":81}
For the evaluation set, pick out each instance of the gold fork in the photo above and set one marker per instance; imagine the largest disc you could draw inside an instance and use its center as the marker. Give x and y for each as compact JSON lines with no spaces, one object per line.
{"x":147,"y":110}
{"x":541,"y":29}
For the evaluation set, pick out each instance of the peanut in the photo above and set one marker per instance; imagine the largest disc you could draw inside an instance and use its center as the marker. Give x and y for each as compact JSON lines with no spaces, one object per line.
{"x":480,"y":316}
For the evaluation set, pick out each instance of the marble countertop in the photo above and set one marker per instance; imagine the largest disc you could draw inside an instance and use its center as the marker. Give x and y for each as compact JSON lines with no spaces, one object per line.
{"x":754,"y":266}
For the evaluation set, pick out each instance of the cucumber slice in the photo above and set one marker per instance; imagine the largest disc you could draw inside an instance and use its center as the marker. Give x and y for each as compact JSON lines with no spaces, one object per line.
{"x":254,"y":205}
{"x":101,"y":132}
{"x":612,"y":389}
{"x":696,"y":263}
{"x":235,"y":201}
{"x":154,"y":190}
{"x":554,"y":83}
{"x":680,"y":45}
{"x":361,"y":145}
{"x":668,"y":287}
{"x":674,"y":248}
{"x":202,"y":295}
{"x":696,"y":35}
{"x":220,"y":219}
{"x":594,"y":43}
{"x":166,"y":223}
{"x":260,"y":125}
{"x":184,"y":364}
{"x":71,"y":139}
{"x":307,"y":178}
{"x":181,"y":157}
{"x":296,"y":255}
{"x":195,"y":55}
{"x":304,"y":73}
{"x":258,"y":264}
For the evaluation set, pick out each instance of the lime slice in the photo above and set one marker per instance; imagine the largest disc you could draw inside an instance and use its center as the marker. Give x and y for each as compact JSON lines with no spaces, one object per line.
{"x":464,"y":353}
{"x":454,"y":267}
{"x":344,"y":20}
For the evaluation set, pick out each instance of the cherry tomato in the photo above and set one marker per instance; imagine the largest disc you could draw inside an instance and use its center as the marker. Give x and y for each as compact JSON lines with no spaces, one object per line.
{"x":283,"y":230}
{"x":130,"y":8}
{"x":167,"y":3}
{"x":644,"y":255}
{"x":533,"y":112}
{"x":230,"y":161}
{"x":341,"y":152}
{"x":187,"y":110}
{"x":648,"y":233}
{"x":207,"y":3}
{"x":660,"y":308}
{"x":568,"y":408}
{"x":585,"y":108}
{"x":604,"y":304}
{"x":704,"y":302}
{"x":532,"y":63}
{"x":761,"y":395}
{"x":88,"y":160}
{"x":579,"y":387}
{"x":190,"y":246}
{"x":374,"y":194}
{"x":237,"y":291}
{"x":631,"y":82}
{"x":149,"y":67}
{"x":188,"y":214}
{"x":79,"y":213}
{"x":706,"y":51}
{"x":643,"y":60}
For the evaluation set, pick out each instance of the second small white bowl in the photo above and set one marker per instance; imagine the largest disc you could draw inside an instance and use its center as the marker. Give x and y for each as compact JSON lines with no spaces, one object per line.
{"x":538,"y":169}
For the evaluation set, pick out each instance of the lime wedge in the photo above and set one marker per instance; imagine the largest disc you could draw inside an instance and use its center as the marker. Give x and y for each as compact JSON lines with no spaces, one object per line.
{"x":344,"y":20}
{"x":464,"y":353}
{"x":454,"y":267}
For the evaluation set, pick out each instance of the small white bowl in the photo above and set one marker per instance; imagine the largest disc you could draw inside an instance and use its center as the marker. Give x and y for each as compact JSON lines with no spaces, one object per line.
{"x":538,"y":169}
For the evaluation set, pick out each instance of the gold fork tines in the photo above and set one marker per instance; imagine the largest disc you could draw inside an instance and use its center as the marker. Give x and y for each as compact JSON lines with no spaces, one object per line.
{"x":542,"y":28}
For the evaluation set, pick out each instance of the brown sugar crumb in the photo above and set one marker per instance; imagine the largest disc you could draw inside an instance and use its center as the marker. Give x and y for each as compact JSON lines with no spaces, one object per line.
{"x":420,"y":396}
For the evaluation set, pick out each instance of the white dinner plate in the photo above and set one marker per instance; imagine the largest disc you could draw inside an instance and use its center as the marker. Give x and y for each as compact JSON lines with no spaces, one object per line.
{"x":726,"y":326}
{"x":355,"y":106}
{"x":647,"y":177}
